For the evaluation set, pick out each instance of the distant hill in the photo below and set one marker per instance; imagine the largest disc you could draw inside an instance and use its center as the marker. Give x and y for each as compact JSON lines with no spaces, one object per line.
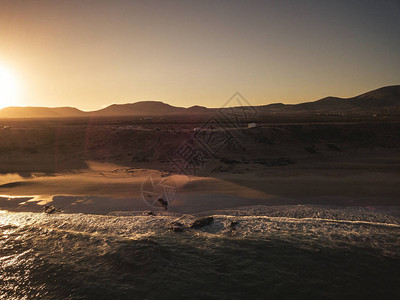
{"x":382,"y":100}
{"x":142,"y":108}
{"x":40,"y":112}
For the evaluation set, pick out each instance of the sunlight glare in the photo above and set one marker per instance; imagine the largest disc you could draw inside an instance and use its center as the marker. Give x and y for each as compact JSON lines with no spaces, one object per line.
{"x":9,"y":88}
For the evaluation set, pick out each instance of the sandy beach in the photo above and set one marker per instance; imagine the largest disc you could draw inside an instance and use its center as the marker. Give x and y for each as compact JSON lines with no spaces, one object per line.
{"x":98,"y":169}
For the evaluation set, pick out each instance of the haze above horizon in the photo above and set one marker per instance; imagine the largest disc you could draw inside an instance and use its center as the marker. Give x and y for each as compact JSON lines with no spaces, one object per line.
{"x":89,"y":54}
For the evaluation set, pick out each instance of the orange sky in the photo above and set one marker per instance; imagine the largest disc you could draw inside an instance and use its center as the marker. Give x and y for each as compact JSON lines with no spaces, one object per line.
{"x":89,"y":54}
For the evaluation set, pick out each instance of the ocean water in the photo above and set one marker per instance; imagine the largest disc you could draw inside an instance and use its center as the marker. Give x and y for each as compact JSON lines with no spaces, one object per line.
{"x":288,"y":252}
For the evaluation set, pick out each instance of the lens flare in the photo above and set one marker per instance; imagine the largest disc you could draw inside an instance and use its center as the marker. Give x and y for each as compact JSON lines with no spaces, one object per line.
{"x":9,"y":88}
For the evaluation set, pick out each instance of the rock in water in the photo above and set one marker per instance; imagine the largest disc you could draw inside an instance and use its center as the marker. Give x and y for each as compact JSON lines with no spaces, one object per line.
{"x":176,"y":227}
{"x":49,"y":209}
{"x":202,"y":222}
{"x":233,"y":224}
{"x":163,"y":203}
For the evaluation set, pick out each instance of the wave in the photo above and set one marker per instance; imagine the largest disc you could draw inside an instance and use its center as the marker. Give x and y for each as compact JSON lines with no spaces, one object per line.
{"x":245,"y":252}
{"x":374,"y":228}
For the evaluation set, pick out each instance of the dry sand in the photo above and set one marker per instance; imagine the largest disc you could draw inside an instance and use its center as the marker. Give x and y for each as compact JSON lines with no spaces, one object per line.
{"x":102,"y":168}
{"x":104,"y":188}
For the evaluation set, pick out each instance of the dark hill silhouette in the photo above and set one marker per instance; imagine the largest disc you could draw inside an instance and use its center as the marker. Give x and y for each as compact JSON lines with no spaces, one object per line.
{"x":139,"y":109}
{"x":382,"y":100}
{"x":68,"y":112}
{"x":386,"y":99}
{"x":40,"y":112}
{"x":196,"y":109}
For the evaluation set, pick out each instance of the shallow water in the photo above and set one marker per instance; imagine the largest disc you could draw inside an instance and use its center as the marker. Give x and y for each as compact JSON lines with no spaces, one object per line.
{"x":272,"y":252}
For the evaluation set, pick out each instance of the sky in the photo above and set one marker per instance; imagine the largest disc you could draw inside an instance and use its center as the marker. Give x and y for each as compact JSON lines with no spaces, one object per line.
{"x":89,"y":54}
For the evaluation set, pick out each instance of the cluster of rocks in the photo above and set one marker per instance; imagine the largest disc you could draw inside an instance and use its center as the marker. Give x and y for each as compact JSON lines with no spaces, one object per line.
{"x":177,"y":226}
{"x":50,"y":209}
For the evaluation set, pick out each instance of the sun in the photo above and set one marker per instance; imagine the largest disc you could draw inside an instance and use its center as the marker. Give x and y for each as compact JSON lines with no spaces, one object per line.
{"x":9,"y":88}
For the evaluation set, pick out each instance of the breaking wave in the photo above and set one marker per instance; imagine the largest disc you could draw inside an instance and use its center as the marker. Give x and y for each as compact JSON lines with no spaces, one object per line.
{"x":256,"y":252}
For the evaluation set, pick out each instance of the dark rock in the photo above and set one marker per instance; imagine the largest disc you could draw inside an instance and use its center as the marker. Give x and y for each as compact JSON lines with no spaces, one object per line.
{"x":176,"y":227}
{"x":233,"y":224}
{"x":202,"y":222}
{"x":49,"y":209}
{"x":163,"y":203}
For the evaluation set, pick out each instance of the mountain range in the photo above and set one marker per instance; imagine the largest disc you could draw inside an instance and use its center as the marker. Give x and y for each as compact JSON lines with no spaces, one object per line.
{"x":385,"y":100}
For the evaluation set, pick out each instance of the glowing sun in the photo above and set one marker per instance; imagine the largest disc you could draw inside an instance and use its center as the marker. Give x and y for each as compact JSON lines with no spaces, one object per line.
{"x":9,"y":88}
